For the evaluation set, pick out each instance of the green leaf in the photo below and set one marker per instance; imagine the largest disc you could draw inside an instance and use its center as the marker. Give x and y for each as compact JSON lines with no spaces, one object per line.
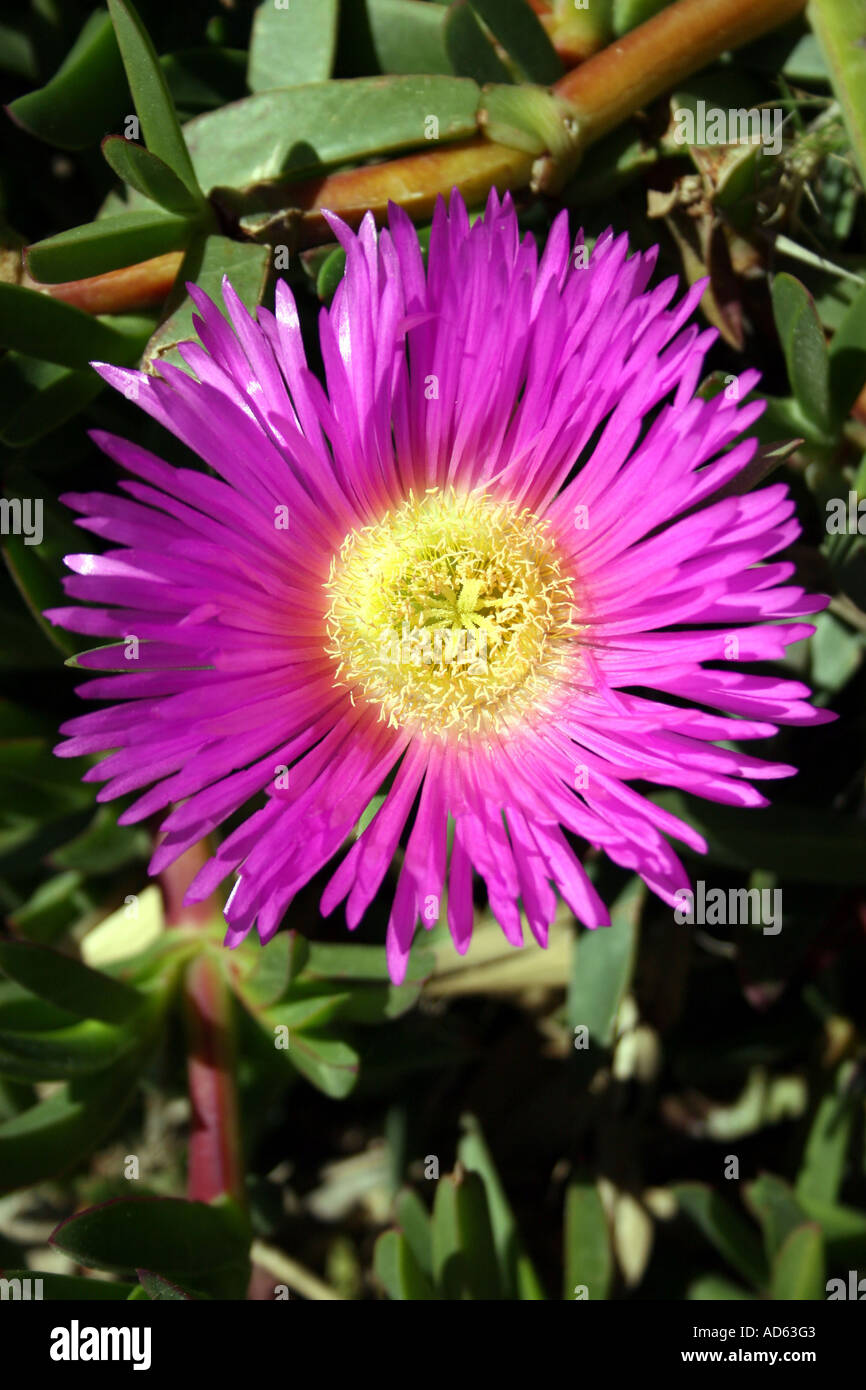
{"x":160,"y":1289}
{"x":309,"y":1010}
{"x":603,"y":964}
{"x":22,"y":1010}
{"x":449,"y":1270}
{"x":840,"y":30}
{"x":469,"y":48}
{"x":55,"y":1134}
{"x":836,"y":653}
{"x":587,"y":1253}
{"x":414,"y":1223}
{"x":522,"y":35}
{"x":68,"y":983}
{"x":330,"y":1064}
{"x":34,"y":323}
{"x":399,"y":1271}
{"x":63,"y":1052}
{"x":275,"y":968}
{"x":798,"y":1269}
{"x":796,"y":55}
{"x":804,"y":346}
{"x":48,"y":396}
{"x":777,"y":1209}
{"x":725,"y":1228}
{"x":205,"y":264}
{"x":108,"y":244}
{"x":517,"y":1275}
{"x":150,"y":176}
{"x":331,"y":272}
{"x":465,"y":1263}
{"x":481,"y":1264}
{"x":394,"y":36}
{"x":291,"y":133}
{"x":163,"y":1234}
{"x":848,"y":358}
{"x":56,"y":904}
{"x":84,"y":98}
{"x":823,"y":1165}
{"x":374,"y":1003}
{"x":70,"y":1287}
{"x":17,"y":55}
{"x":351,"y":961}
{"x":149,"y":88}
{"x":292,"y":44}
{"x":784,"y":419}
{"x":844,"y":1229}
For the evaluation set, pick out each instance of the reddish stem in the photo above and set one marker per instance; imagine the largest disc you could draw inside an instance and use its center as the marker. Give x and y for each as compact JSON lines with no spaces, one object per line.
{"x":215,"y":1163}
{"x":174,"y":882}
{"x":134,"y":287}
{"x":664,"y":51}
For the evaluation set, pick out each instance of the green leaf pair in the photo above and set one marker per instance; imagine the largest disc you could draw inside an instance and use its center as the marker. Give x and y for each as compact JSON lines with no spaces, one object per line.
{"x":469,"y":1248}
{"x":60,"y":1020}
{"x":826,"y":381}
{"x":162,"y":173}
{"x":298,"y":992}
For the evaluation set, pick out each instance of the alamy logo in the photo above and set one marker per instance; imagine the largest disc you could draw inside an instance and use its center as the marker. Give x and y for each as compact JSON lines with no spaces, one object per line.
{"x":22,"y":516}
{"x":20,"y":1289}
{"x":417,"y":647}
{"x":711,"y":125}
{"x":737,"y":907}
{"x":855,"y":1288}
{"x":76,"y":1343}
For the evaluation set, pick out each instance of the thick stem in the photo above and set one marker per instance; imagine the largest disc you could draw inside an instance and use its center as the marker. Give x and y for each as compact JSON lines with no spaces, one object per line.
{"x":415,"y":182}
{"x":215,"y":1162}
{"x":174,"y":882}
{"x":677,"y":42}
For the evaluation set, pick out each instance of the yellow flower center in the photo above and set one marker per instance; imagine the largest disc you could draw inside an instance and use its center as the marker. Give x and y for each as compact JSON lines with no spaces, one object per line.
{"x":451,"y":615}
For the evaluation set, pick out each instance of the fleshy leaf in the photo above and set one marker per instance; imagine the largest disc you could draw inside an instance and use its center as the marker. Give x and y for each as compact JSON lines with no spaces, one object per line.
{"x":804,"y":346}
{"x":43,"y":327}
{"x":107,"y":244}
{"x":149,"y":88}
{"x":69,"y":984}
{"x":798,"y":1269}
{"x":292,"y":44}
{"x":587,"y":1252}
{"x":85,"y":96}
{"x":150,"y":176}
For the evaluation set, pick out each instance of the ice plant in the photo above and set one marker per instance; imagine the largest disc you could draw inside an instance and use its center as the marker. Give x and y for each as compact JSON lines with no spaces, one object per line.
{"x":486,"y":573}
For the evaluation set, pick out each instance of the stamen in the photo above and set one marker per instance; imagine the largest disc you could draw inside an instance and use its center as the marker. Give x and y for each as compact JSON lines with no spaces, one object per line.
{"x":452,"y":615}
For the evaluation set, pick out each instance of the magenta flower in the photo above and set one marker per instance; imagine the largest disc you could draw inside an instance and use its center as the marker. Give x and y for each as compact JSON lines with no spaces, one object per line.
{"x":403,"y":586}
